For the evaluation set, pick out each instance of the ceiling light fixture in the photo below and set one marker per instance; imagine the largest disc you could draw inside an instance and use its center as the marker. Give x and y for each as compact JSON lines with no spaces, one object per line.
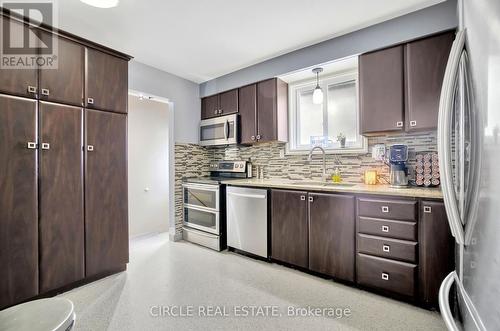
{"x":318,"y":92}
{"x":101,"y":3}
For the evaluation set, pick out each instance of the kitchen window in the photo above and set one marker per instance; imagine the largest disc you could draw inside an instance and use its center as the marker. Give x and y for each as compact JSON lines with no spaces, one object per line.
{"x":325,"y":124}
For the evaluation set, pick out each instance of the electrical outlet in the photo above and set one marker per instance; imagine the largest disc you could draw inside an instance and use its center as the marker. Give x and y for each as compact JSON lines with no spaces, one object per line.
{"x":282,"y":153}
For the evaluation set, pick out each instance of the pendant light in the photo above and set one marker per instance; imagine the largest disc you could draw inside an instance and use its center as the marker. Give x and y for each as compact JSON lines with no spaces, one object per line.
{"x":318,"y":92}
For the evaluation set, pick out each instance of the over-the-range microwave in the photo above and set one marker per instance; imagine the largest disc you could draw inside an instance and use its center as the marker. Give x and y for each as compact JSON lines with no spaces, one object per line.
{"x":219,"y":131}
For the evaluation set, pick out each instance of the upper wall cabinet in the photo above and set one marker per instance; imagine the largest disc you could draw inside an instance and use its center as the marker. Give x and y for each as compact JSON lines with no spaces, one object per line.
{"x":425,"y":64}
{"x":107,"y":82}
{"x":381,"y":91}
{"x":224,"y":103}
{"x":64,"y":84}
{"x":400,"y":86}
{"x":272,"y":111}
{"x":22,"y":82}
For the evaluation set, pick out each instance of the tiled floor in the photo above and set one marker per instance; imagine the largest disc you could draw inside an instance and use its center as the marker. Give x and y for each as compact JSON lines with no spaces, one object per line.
{"x":186,"y":276}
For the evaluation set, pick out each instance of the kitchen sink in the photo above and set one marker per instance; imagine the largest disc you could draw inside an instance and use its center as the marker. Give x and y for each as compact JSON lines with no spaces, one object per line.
{"x":318,"y":183}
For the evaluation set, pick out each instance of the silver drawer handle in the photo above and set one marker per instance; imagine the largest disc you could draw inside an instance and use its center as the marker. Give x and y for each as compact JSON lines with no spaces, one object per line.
{"x":302,"y":198}
{"x":46,"y":146}
{"x":385,"y":276}
{"x":90,"y":148}
{"x":385,"y":209}
{"x":90,"y":101}
{"x":31,"y":145}
{"x":413,"y":123}
{"x":399,"y":124}
{"x":385,"y":228}
{"x":31,"y":89}
{"x":386,"y":248}
{"x":45,"y":91}
{"x":427,"y":209}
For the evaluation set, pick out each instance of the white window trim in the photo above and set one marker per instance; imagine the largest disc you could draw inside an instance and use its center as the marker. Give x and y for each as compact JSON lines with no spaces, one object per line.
{"x":292,"y":113}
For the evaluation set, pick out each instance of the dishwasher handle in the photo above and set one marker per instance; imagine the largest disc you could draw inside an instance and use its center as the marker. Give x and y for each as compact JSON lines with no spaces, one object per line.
{"x":252,"y":196}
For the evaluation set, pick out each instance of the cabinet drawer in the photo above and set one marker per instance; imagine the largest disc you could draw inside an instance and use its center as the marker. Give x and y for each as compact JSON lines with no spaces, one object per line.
{"x":388,"y":228}
{"x":393,"y":276}
{"x":389,"y":248}
{"x":393,"y":209}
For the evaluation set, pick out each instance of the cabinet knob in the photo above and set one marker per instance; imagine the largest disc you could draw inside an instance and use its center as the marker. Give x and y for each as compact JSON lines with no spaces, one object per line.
{"x":385,"y":209}
{"x":31,"y":89}
{"x":46,"y":146}
{"x":302,"y":198}
{"x":386,"y":248}
{"x":31,"y":145}
{"x":45,"y":91}
{"x":413,"y":123}
{"x":252,"y":137}
{"x":399,"y":124}
{"x":90,"y":101}
{"x":220,"y":111}
{"x":385,"y":228}
{"x":90,"y":148}
{"x":311,"y":199}
{"x":427,"y":209}
{"x":385,"y":276}
{"x":258,"y":137}
{"x":215,"y":112}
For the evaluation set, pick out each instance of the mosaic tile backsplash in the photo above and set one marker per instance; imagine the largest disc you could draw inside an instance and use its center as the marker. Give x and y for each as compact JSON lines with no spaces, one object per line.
{"x":192,"y":160}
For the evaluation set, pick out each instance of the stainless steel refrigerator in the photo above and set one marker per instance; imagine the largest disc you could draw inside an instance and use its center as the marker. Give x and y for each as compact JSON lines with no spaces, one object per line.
{"x":469,"y":149}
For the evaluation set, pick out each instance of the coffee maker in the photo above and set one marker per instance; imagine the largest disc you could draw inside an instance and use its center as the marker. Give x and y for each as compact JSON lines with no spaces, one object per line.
{"x":398,"y":156}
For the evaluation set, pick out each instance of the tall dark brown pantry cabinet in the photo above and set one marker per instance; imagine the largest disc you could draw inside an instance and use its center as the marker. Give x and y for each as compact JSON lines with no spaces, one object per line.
{"x":63,"y":169}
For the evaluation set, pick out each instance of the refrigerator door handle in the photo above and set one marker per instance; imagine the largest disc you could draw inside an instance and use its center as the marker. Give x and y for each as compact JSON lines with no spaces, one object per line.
{"x":444,"y":302}
{"x":444,"y":134}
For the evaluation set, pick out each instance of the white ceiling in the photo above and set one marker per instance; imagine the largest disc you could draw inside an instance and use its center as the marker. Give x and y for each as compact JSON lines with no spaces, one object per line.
{"x":204,"y":39}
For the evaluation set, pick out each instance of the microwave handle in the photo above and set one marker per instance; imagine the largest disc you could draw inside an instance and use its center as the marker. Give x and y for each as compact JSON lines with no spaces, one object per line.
{"x":226,"y":127}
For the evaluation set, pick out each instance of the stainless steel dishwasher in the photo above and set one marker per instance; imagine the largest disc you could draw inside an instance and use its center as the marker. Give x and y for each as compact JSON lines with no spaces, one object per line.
{"x":247,"y":220}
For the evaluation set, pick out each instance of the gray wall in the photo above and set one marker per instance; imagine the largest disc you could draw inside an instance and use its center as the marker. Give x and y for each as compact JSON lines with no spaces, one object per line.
{"x":417,"y":24}
{"x":183,"y":93}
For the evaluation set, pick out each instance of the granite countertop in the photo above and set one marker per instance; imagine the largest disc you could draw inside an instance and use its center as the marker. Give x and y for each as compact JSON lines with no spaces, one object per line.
{"x":309,"y":185}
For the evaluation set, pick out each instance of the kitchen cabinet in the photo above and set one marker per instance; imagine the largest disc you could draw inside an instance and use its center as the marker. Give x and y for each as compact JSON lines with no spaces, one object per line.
{"x":289,"y":227}
{"x":272,"y":111}
{"x":61,"y":223}
{"x":64,"y":84}
{"x":224,"y":103}
{"x":18,"y":200}
{"x":332,"y":235}
{"x":106,"y":211}
{"x":106,"y":81}
{"x":21,"y":82}
{"x":437,"y":250}
{"x":248,"y":113}
{"x":381,"y":94}
{"x":425,"y":64}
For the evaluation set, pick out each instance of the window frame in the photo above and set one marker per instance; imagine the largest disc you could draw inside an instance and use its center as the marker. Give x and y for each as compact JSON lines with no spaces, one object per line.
{"x":293,"y":117}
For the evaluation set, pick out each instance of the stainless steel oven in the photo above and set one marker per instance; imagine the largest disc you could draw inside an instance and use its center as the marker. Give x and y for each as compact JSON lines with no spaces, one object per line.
{"x":201,"y":207}
{"x":219,"y":131}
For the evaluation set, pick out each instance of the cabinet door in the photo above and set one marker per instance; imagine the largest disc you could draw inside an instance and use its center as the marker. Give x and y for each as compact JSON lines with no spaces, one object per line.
{"x":107,"y":85}
{"x":106,"y":214}
{"x":332,"y":235}
{"x":248,"y":113}
{"x":426,"y":61}
{"x":64,"y":84}
{"x":289,"y":233}
{"x":18,"y":81}
{"x":18,"y":201}
{"x":437,"y":247}
{"x":381,"y":90}
{"x":267,"y":110}
{"x":228,"y":102}
{"x":61,"y":196}
{"x":209,"y":107}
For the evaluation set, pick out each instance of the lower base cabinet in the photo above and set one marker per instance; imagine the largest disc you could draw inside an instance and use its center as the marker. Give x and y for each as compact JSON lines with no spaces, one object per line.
{"x":332,"y":235}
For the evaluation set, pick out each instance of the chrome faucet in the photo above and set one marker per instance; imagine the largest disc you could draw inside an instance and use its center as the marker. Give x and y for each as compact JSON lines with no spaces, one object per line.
{"x":309,"y":158}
